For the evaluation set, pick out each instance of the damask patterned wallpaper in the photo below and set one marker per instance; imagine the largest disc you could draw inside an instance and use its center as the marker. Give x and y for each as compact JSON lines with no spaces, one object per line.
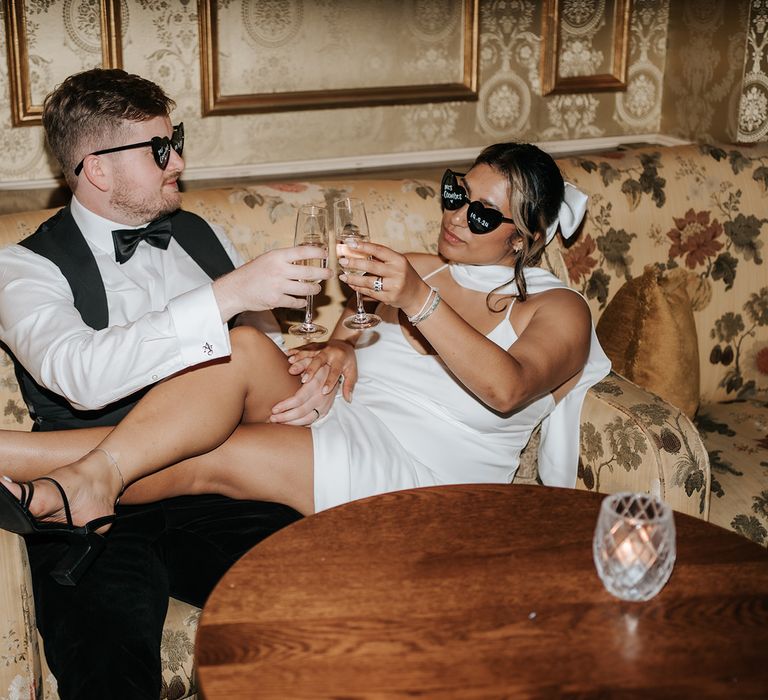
{"x":398,"y":42}
{"x":753,"y":108}
{"x":696,"y":75}
{"x":705,"y":66}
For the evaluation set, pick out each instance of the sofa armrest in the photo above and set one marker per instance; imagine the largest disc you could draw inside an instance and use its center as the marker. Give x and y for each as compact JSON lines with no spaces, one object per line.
{"x":631,"y":440}
{"x":20,"y":660}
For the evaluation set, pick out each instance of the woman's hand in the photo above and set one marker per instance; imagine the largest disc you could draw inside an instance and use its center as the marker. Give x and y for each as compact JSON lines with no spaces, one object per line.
{"x":308,"y":404}
{"x":390,"y":276}
{"x":337,"y":355}
{"x":321,"y":366}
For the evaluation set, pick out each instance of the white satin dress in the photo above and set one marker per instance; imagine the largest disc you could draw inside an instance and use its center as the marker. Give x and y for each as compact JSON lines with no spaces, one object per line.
{"x":411,"y":423}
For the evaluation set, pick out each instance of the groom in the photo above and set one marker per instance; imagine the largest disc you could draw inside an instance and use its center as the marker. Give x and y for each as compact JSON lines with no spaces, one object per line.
{"x":95,"y":309}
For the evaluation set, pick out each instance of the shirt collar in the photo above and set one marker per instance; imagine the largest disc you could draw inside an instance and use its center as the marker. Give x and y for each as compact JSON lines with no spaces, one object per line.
{"x":96,"y":229}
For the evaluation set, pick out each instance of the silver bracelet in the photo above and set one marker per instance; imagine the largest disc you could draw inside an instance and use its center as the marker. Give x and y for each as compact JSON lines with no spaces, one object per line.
{"x":435,"y":303}
{"x":432,"y":290}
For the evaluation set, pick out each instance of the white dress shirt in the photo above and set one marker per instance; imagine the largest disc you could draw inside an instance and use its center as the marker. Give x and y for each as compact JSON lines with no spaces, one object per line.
{"x":162,"y":313}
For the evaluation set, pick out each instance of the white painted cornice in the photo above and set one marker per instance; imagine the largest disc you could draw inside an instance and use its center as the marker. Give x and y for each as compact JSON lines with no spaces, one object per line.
{"x":329,"y":167}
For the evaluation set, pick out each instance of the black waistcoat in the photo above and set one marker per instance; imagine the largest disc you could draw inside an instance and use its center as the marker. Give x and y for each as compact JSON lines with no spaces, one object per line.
{"x":59,"y":239}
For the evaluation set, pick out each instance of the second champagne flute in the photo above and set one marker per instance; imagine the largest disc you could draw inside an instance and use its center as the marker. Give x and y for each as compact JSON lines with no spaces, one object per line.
{"x":311,"y":229}
{"x":351,"y":224}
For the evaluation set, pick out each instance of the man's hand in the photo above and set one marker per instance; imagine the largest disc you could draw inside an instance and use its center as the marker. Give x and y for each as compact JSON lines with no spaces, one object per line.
{"x":270,"y":281}
{"x":322,"y":367}
{"x":308,"y":404}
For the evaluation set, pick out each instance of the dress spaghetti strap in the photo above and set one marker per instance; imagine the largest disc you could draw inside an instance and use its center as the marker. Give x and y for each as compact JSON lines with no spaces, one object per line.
{"x":434,"y":272}
{"x":509,"y":309}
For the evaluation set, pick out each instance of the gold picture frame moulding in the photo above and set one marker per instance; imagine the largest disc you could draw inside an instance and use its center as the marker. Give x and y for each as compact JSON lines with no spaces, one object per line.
{"x":23,"y":112}
{"x":552,"y":82}
{"x":214,"y":103}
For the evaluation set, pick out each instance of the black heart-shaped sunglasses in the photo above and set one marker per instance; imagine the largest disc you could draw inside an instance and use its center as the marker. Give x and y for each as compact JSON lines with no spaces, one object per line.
{"x":480,"y":219}
{"x":161,"y":148}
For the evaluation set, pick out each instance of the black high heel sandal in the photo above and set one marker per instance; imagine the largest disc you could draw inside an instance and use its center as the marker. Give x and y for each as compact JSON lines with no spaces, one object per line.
{"x":85,"y":544}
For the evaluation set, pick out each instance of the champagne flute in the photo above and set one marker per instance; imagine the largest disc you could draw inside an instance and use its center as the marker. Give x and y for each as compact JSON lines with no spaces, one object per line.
{"x":311,"y":229}
{"x":351,"y":225}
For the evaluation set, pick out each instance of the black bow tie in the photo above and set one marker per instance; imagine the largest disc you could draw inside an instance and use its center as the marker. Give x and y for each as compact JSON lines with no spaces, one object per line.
{"x":156,"y":233}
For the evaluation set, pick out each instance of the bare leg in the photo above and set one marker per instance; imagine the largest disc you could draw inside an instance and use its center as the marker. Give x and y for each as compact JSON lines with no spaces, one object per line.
{"x":25,"y":455}
{"x":259,"y":461}
{"x":187,"y":416}
{"x":250,"y":457}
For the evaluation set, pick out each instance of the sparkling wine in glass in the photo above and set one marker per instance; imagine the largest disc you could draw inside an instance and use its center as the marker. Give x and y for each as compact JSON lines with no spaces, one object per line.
{"x":351,"y":225}
{"x":311,"y":229}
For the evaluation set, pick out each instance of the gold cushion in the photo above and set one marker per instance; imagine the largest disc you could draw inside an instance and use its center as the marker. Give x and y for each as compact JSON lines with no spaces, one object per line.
{"x":649,"y":333}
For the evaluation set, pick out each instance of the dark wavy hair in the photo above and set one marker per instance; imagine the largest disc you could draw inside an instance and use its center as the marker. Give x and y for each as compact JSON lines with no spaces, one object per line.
{"x":535,"y":193}
{"x":89,"y":111}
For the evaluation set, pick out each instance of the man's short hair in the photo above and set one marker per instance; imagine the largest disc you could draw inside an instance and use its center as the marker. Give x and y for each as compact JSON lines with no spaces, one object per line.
{"x":89,"y":110}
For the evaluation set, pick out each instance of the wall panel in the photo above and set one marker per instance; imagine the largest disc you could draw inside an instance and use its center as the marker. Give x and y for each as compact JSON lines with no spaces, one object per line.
{"x":161,"y":41}
{"x":705,"y":68}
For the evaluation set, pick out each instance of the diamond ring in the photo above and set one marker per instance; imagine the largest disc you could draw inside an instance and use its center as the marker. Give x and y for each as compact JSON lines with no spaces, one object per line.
{"x":378,"y":285}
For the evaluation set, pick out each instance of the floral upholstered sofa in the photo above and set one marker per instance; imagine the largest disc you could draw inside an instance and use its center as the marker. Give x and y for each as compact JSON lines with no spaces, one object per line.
{"x":699,"y":213}
{"x":631,"y":439}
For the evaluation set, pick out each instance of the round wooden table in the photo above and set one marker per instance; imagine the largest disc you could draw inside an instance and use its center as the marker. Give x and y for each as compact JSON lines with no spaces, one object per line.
{"x":481,"y":591}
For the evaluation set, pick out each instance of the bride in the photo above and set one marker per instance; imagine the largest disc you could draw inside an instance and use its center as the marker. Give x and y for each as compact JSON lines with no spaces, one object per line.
{"x":477,"y":347}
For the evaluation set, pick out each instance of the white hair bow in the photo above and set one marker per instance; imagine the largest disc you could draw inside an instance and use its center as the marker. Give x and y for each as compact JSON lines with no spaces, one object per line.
{"x":572,"y":211}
